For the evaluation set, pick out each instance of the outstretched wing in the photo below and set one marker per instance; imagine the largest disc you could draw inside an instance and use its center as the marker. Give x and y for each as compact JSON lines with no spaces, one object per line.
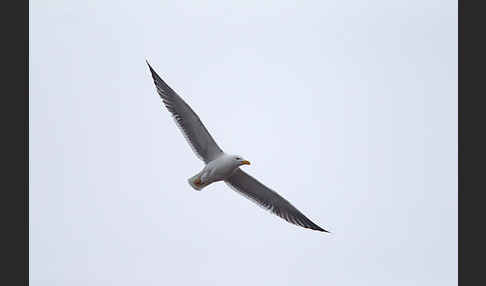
{"x":188,"y":121}
{"x":268,"y":199}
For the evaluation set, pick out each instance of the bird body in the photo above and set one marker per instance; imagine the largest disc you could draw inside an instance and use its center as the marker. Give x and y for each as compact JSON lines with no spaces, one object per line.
{"x":218,"y":169}
{"x":220,"y":166}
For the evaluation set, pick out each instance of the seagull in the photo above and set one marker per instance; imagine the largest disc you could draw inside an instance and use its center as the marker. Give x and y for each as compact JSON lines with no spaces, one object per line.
{"x":220,"y":166}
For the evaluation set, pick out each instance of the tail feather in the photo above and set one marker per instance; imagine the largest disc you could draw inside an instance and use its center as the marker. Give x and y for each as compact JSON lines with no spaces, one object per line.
{"x":193,"y":182}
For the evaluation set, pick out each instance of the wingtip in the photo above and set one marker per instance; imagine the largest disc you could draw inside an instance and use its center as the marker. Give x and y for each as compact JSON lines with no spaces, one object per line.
{"x":321,"y":229}
{"x":154,"y":74}
{"x":318,"y":228}
{"x":314,"y":226}
{"x":150,"y":67}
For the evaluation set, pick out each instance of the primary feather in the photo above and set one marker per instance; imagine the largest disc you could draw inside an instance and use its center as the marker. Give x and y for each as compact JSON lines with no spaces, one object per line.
{"x":188,"y":121}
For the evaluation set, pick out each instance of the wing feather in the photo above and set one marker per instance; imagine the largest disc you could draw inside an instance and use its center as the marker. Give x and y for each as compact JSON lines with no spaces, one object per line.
{"x":187,"y":120}
{"x":268,"y":199}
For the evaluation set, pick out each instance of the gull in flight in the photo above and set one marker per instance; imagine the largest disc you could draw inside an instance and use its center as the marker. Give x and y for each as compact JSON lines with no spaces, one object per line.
{"x":220,"y":166}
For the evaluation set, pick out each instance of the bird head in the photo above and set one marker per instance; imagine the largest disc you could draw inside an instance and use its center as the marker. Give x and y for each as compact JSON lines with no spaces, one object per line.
{"x":240,"y":160}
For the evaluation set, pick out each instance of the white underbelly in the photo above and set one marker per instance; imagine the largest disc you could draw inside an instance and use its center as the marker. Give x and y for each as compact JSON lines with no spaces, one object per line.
{"x":217,"y":172}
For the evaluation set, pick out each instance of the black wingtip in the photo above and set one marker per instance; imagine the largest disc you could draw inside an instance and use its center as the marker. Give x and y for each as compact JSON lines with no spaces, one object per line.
{"x":313,"y":226}
{"x":155,"y":76}
{"x":150,"y":67}
{"x":318,"y":228}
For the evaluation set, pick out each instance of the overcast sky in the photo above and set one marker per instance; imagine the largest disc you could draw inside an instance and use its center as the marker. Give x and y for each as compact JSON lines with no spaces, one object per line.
{"x":347,"y":108}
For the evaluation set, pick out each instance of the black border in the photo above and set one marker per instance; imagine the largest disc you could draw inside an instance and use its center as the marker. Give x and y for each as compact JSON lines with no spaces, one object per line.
{"x":14,"y":23}
{"x":471,"y":142}
{"x":460,"y":157}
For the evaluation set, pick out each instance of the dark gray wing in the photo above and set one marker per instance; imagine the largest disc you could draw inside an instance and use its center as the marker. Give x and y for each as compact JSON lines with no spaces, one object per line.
{"x":188,"y":121}
{"x":268,"y":199}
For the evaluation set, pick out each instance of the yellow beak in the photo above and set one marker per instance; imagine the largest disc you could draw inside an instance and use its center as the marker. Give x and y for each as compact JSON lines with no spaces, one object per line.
{"x":245,"y":162}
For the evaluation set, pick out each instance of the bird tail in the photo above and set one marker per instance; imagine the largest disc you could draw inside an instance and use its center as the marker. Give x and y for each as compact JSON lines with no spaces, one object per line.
{"x":195,"y":182}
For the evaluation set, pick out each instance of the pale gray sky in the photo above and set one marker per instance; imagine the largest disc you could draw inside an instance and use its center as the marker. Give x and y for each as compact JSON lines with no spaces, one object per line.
{"x":346,"y":108}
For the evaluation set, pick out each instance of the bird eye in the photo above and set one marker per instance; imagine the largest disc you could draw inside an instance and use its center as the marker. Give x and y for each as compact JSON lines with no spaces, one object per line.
{"x":238,"y":158}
